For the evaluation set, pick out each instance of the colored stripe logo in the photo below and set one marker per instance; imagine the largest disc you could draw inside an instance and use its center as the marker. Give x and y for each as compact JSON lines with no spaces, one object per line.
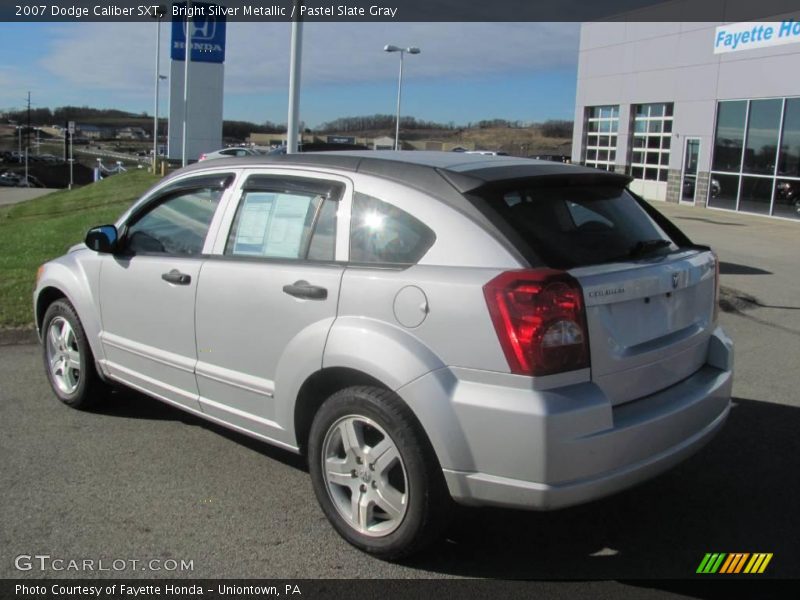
{"x":734,"y":563}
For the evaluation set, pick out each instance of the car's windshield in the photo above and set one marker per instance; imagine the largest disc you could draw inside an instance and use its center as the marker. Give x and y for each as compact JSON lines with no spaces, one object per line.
{"x":573,"y":226}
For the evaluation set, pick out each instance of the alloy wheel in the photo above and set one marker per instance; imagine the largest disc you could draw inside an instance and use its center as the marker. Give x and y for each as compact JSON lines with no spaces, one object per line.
{"x":365,"y":476}
{"x":63,"y":355}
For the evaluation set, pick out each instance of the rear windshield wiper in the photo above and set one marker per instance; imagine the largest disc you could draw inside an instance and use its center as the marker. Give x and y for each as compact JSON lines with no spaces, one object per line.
{"x":646,"y":246}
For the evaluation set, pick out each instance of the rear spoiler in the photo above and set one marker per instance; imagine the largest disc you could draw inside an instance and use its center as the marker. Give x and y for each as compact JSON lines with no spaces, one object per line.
{"x":535,"y":173}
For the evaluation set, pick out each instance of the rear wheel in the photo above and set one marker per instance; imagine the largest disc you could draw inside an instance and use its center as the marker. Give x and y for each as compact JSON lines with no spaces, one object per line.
{"x":68,"y":359}
{"x":374,"y":473}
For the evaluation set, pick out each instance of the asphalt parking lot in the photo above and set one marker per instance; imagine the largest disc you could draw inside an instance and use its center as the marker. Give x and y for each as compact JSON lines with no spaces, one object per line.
{"x":140,"y":480}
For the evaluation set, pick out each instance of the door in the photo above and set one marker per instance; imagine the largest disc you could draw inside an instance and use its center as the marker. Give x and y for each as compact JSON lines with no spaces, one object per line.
{"x":147,"y":291}
{"x":691,"y":154}
{"x":268,"y":297}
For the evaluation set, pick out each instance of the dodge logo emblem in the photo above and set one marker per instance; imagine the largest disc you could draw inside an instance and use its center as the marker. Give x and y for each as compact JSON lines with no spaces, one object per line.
{"x":675,"y":277}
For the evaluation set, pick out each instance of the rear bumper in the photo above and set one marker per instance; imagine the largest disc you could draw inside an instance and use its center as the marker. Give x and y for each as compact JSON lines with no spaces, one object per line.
{"x":510,"y":445}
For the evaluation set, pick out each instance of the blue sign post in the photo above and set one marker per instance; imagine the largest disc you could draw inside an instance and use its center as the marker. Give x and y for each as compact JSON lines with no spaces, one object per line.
{"x":207,"y":33}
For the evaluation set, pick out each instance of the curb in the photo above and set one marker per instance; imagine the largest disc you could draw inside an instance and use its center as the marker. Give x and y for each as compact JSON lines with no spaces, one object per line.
{"x":18,"y":336}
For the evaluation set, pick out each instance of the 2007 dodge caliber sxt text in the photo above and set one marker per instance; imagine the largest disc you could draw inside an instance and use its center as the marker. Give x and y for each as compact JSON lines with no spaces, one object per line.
{"x":424,"y":327}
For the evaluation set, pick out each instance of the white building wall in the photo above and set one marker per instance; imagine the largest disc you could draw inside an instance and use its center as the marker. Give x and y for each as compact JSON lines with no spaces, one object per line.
{"x":628,"y":63}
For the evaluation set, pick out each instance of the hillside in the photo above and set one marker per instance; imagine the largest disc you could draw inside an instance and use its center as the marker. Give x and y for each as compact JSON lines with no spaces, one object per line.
{"x":36,"y":231}
{"x":517,"y":141}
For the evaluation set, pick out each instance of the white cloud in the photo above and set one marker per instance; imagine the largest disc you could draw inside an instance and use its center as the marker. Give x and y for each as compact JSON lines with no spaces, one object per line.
{"x":347,"y":52}
{"x":107,"y":56}
{"x":119,"y":57}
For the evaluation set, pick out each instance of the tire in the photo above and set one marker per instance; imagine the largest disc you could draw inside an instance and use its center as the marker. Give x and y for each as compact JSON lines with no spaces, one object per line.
{"x":375,"y":474}
{"x":68,"y":359}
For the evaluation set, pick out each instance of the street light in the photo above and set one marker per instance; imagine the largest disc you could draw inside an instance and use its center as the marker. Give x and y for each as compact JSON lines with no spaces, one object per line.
{"x":402,"y":51}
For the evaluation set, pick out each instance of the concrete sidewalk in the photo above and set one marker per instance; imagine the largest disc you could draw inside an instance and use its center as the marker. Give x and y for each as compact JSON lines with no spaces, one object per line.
{"x":760,"y":278}
{"x":15,"y":195}
{"x":760,"y":256}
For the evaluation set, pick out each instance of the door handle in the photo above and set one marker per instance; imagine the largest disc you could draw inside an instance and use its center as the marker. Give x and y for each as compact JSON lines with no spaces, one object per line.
{"x":177,"y":277}
{"x":303,"y":289}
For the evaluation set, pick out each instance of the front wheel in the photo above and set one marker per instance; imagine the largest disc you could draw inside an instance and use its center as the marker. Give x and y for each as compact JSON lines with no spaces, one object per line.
{"x":375,"y":474}
{"x":68,"y":359}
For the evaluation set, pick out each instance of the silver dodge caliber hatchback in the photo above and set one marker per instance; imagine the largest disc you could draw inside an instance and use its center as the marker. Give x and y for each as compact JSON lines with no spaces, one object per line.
{"x":424,"y":327}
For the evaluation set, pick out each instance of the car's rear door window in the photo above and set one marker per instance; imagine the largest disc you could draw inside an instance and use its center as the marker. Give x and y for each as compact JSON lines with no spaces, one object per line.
{"x":569,"y":226}
{"x":289,"y":218}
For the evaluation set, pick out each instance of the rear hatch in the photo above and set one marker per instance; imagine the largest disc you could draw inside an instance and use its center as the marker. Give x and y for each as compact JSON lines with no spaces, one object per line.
{"x":649,"y":324}
{"x":649,"y":293}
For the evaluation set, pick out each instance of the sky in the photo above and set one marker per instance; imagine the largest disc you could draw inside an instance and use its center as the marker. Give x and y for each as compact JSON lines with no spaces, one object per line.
{"x":466,"y":72}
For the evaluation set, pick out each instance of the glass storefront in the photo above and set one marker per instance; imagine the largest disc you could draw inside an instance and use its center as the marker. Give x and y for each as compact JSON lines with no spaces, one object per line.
{"x":602,"y":125}
{"x":756,"y":162}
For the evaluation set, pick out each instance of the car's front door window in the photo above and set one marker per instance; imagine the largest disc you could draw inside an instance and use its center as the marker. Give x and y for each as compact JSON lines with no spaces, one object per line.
{"x":177,"y":225}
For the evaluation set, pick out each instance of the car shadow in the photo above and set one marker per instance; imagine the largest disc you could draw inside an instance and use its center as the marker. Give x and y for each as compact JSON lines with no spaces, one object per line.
{"x":127,"y":403}
{"x":739,"y":494}
{"x":712,"y":221}
{"x":727,"y":268}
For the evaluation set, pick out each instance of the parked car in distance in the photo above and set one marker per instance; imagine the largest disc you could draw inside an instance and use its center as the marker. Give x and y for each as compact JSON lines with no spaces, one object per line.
{"x":425,"y":327}
{"x":229,"y":153}
{"x":689,"y":185}
{"x":318,"y":147}
{"x":786,"y":192}
{"x":562,"y":158}
{"x":486,"y":152}
{"x":11,"y":176}
{"x":9,"y":179}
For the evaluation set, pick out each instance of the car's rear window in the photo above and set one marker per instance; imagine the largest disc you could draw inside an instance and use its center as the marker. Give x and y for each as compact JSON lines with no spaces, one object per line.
{"x":569,"y":226}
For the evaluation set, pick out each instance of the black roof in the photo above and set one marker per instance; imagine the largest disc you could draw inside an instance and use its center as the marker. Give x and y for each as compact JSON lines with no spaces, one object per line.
{"x":425,"y":169}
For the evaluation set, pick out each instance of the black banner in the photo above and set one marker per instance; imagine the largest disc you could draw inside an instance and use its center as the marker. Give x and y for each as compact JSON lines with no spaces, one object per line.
{"x":401,"y":10}
{"x":377,"y":589}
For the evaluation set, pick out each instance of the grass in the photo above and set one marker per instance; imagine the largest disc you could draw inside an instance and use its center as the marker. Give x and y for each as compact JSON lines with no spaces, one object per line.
{"x":36,"y":231}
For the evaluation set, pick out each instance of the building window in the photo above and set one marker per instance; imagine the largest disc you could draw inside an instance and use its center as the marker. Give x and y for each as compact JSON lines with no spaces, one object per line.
{"x":651,"y":139}
{"x":789,"y":160}
{"x":600,"y":140}
{"x":756,"y":162}
{"x":763,"y":125}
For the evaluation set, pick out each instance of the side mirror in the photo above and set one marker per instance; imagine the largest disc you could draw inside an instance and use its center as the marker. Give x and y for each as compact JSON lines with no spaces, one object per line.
{"x":102,"y":239}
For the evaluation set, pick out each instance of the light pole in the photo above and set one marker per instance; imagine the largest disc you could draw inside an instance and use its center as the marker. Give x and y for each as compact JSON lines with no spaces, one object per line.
{"x":295,"y":63}
{"x":402,"y":51}
{"x":187,"y":57}
{"x":159,"y":13}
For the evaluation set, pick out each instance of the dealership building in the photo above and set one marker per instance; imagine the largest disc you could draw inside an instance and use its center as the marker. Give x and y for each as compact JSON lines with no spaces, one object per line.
{"x":705,"y":114}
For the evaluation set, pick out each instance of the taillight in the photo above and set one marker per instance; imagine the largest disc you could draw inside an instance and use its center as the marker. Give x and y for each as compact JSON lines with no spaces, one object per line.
{"x":202,"y":157}
{"x":715,"y":314}
{"x":540,"y":321}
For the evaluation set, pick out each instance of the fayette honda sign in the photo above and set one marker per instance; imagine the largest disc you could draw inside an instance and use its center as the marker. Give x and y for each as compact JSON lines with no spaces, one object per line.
{"x":749,"y":36}
{"x":207,"y":32}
